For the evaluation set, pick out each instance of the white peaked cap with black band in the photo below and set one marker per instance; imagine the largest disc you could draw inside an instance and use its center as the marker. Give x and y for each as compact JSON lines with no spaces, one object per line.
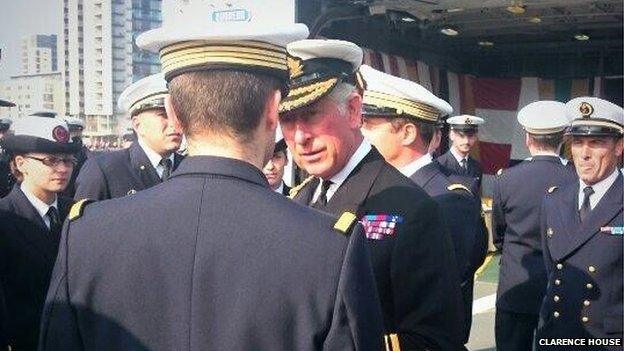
{"x":543,"y":117}
{"x":316,"y":67}
{"x":222,"y":34}
{"x":36,"y":134}
{"x":465,"y":123}
{"x":387,"y":95}
{"x":144,"y":94}
{"x":593,"y":116}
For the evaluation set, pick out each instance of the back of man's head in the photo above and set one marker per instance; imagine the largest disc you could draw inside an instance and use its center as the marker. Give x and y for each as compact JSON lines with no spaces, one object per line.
{"x":544,"y":143}
{"x":229,"y":103}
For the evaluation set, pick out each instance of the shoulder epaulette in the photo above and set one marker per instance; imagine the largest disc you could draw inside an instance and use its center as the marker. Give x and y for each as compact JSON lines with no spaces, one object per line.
{"x":345,"y":222}
{"x":499,"y":172}
{"x":295,"y":190}
{"x":458,"y":186}
{"x":552,"y":189}
{"x":76,"y":210}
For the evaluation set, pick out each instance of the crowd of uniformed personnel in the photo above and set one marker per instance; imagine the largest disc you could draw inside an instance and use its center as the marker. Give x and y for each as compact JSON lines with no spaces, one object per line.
{"x":376,"y":250}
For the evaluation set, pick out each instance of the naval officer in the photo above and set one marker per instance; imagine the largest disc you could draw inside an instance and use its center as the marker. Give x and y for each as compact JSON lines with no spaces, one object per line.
{"x":146,"y":163}
{"x":464,"y":136}
{"x":581,"y":227}
{"x":399,"y":118}
{"x":40,"y":152}
{"x":517,"y":198}
{"x":205,"y":260}
{"x":321,"y":119}
{"x":274,"y":169}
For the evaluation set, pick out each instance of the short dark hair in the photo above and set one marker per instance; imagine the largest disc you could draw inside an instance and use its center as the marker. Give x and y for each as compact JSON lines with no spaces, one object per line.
{"x":230,"y":102}
{"x":550,"y":142}
{"x":425,"y":130}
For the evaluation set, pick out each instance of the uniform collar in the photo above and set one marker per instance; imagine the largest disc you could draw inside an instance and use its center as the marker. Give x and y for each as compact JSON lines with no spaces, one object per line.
{"x":457,"y":156}
{"x":355,"y":159}
{"x":41,"y":207}
{"x":220,"y":166}
{"x":600,"y":189}
{"x":415,"y":165}
{"x":280,"y":188}
{"x":341,"y":176}
{"x":153,"y":157}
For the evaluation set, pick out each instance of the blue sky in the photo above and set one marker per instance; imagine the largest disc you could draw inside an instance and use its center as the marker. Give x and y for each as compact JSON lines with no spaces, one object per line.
{"x":25,"y":17}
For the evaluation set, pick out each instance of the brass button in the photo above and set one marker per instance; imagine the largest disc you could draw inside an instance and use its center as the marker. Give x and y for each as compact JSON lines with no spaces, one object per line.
{"x":589,"y":286}
{"x":557,"y":282}
{"x":585,"y":319}
{"x":142,"y":167}
{"x":556,"y":314}
{"x":550,"y":232}
{"x":559,"y":266}
{"x":591,"y":269}
{"x":586,"y":303}
{"x":556,"y":298}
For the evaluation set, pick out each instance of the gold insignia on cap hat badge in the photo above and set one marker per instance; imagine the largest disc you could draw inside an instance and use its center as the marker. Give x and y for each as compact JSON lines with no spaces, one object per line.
{"x":586,"y":109}
{"x":294,"y":67}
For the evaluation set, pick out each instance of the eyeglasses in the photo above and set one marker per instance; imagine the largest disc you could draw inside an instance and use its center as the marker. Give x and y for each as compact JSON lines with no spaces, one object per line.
{"x":53,"y":161}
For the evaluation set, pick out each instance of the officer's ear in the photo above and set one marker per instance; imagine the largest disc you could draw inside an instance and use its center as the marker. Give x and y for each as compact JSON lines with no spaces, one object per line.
{"x":171,"y":114}
{"x":619,"y":147}
{"x":271,"y":110}
{"x":409,"y":133}
{"x":354,"y":110}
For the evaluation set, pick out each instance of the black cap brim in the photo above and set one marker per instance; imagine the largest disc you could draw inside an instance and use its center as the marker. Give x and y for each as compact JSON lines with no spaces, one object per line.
{"x":464,"y":128}
{"x":24,"y":143}
{"x":280,"y":146}
{"x":599,"y":131}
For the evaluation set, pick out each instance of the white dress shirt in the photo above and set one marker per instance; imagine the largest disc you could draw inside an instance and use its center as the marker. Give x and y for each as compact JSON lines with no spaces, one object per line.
{"x":459,"y":157}
{"x":155,"y":158}
{"x":600,"y":189}
{"x":415,"y":165}
{"x":341,"y":176}
{"x":41,"y":207}
{"x":280,"y":188}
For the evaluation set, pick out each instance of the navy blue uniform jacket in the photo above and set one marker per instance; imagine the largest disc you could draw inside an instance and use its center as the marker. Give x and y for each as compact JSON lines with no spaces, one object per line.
{"x":474,"y":171}
{"x":584,"y":266}
{"x":205,"y":261}
{"x":517,"y":199}
{"x":116,"y":174}
{"x":27,"y":254}
{"x":415,"y":269}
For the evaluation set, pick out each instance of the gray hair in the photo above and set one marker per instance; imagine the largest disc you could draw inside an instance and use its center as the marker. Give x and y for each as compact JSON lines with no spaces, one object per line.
{"x":340,"y":95}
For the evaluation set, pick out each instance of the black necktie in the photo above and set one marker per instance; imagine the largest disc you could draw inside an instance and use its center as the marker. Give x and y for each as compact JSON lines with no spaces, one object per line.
{"x":55,"y":222}
{"x":464,"y":165}
{"x":166,"y":165}
{"x":321,"y":201}
{"x":586,"y":206}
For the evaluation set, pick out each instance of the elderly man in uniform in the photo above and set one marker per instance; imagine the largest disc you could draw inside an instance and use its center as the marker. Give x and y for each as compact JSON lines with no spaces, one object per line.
{"x":400,"y":120}
{"x":517,"y":199}
{"x":41,"y":160}
{"x":463,"y":135}
{"x":582,"y":225}
{"x":321,"y":119}
{"x":147,"y":162}
{"x":205,"y":261}
{"x":274,"y":169}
